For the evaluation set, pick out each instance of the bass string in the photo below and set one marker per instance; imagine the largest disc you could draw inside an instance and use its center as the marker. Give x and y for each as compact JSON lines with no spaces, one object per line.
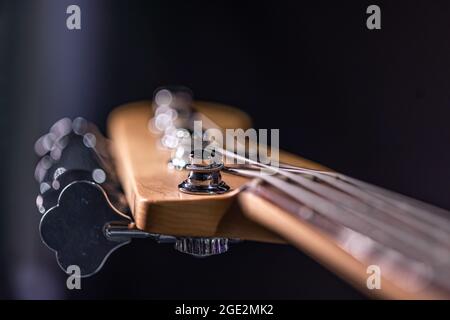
{"x":429,"y":228}
{"x":375,"y":195}
{"x":344,"y":217}
{"x":340,"y":216}
{"x":406,"y":272}
{"x":432,"y":215}
{"x":387,"y":233}
{"x":426,"y":220}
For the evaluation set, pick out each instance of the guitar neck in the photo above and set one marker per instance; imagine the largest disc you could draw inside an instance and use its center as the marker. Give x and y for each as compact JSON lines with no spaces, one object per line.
{"x":323,"y":240}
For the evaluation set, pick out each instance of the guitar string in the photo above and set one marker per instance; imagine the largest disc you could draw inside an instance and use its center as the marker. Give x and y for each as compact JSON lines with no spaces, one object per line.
{"x":422,"y":221}
{"x":437,"y":219}
{"x":425,"y":217}
{"x":434,"y":229}
{"x":395,"y":232}
{"x":339,"y":215}
{"x":417,"y":224}
{"x":406,"y":272}
{"x":347,"y":218}
{"x":421,"y":210}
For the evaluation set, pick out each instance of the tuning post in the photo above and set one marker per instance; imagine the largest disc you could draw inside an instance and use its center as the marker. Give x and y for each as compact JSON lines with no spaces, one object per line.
{"x":204,"y":176}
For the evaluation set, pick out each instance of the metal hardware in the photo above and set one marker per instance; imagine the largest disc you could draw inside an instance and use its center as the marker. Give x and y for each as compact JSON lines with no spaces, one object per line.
{"x":74,"y":150}
{"x":74,"y":228}
{"x":85,"y":214}
{"x":204,"y":176}
{"x":172,"y":110}
{"x":180,"y":155}
{"x":202,"y":247}
{"x":119,"y":230}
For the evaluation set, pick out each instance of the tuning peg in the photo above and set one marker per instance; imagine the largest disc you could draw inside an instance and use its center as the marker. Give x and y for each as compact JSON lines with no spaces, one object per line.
{"x":76,"y":227}
{"x":204,"y":175}
{"x":76,"y":151}
{"x":80,"y":197}
{"x":85,"y":214}
{"x":201,"y":247}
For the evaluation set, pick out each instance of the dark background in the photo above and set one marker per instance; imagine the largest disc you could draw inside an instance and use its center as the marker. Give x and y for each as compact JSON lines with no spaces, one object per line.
{"x":372,"y":104}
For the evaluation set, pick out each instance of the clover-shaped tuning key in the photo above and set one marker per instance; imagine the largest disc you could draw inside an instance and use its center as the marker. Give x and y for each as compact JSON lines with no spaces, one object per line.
{"x":79,"y":196}
{"x":75,"y":227}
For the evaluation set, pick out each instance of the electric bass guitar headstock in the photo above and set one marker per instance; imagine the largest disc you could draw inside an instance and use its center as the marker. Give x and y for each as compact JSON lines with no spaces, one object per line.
{"x":167,"y":174}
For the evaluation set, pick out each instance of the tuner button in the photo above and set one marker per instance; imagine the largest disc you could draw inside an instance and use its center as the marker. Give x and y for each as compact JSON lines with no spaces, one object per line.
{"x":202,"y":247}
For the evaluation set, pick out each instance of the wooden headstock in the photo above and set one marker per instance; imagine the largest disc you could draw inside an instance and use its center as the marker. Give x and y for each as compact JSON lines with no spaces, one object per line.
{"x":151,"y":186}
{"x":157,"y":205}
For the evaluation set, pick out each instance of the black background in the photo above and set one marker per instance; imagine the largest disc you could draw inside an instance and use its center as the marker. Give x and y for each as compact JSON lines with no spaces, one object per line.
{"x":372,"y":104}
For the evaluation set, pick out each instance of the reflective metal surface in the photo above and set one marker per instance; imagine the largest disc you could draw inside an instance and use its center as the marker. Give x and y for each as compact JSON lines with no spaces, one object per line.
{"x":85,"y":214}
{"x":201,"y":247}
{"x":71,"y":151}
{"x":75,"y":227}
{"x":79,"y":195}
{"x":204,"y":176}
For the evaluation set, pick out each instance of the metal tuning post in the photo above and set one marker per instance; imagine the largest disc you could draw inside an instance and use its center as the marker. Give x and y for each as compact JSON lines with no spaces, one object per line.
{"x":204,"y":176}
{"x":204,"y":179}
{"x":172,"y":119}
{"x":173,"y":116}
